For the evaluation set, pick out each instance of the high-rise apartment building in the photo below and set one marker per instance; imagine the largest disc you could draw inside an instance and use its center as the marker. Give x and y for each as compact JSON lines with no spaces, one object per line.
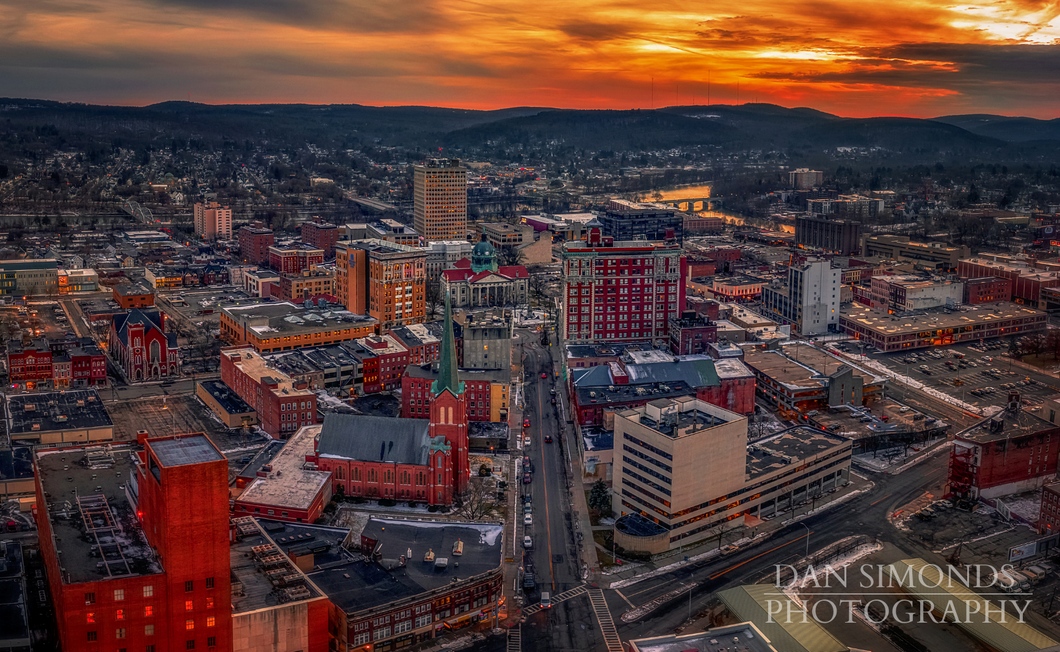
{"x":382,"y":279}
{"x":809,"y":300}
{"x":620,"y":291}
{"x":213,"y":221}
{"x":254,"y":243}
{"x":805,"y":178}
{"x":440,"y":200}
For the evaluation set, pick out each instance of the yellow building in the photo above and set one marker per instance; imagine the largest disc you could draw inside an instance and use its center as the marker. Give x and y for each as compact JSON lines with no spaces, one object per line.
{"x":440,"y":200}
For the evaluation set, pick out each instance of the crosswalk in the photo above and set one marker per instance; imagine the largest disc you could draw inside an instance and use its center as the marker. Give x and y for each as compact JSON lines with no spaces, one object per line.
{"x":515,"y":639}
{"x":603,"y":617}
{"x":566,"y":595}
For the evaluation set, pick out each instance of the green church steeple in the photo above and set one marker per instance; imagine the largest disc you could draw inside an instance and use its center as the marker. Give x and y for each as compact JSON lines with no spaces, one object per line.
{"x":448,"y":375}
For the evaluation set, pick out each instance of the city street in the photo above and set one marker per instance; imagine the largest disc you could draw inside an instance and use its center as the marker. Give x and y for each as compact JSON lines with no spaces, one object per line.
{"x":569,"y":625}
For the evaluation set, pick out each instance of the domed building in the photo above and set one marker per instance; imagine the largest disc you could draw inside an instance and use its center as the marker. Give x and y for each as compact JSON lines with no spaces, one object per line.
{"x":484,"y":256}
{"x":480,"y":282}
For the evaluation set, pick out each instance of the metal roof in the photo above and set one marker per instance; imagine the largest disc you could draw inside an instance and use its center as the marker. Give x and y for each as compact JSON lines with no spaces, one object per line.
{"x":749,"y":603}
{"x":374,"y":439}
{"x":927,"y":582}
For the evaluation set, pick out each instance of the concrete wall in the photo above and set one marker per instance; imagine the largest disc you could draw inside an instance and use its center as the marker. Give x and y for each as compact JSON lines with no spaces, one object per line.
{"x":283,"y":628}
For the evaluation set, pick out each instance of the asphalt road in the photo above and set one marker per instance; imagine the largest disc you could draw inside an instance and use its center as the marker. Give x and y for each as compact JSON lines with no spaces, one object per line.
{"x":569,"y":625}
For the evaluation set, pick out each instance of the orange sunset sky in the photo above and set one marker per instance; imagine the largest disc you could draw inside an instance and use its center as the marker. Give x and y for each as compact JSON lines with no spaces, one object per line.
{"x":853,"y":58}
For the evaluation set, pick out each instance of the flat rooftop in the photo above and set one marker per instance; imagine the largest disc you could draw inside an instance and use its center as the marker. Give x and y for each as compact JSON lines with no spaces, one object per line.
{"x":289,"y":484}
{"x":768,"y":455}
{"x":354,"y":584}
{"x":719,"y":639}
{"x":227,"y":398}
{"x":807,"y":367}
{"x":604,"y":350}
{"x":885,"y":324}
{"x":14,"y":618}
{"x":252,"y":364}
{"x":30,"y":414}
{"x":283,"y":317}
{"x":1015,"y":424}
{"x":681,"y":417}
{"x":185,"y":449}
{"x":86,"y":500}
{"x":604,"y":395}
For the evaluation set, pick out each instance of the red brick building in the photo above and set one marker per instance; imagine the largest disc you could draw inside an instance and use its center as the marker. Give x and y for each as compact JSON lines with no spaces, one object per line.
{"x":29,"y":364}
{"x":691,"y":333}
{"x":383,"y":361}
{"x":703,"y":224}
{"x":421,"y":341}
{"x":139,"y":344}
{"x":318,"y":233}
{"x":134,"y":296}
{"x":1028,"y":277}
{"x":421,"y":458}
{"x":286,"y":488}
{"x":283,"y":405}
{"x":620,"y":291}
{"x":254,"y":243}
{"x":989,"y":289}
{"x":133,"y":508}
{"x":487,"y":392}
{"x":1011,"y":452}
{"x":1049,"y":512}
{"x":640,"y":377}
{"x":293,"y":258}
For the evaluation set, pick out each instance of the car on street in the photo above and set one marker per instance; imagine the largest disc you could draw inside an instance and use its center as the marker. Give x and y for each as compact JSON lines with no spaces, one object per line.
{"x":528,"y":519}
{"x":553,"y":400}
{"x":528,"y":508}
{"x":544,"y":375}
{"x":546,"y":600}
{"x":552,"y":391}
{"x":528,"y":543}
{"x":548,"y":439}
{"x":527,"y":478}
{"x":526,"y":423}
{"x":526,"y":441}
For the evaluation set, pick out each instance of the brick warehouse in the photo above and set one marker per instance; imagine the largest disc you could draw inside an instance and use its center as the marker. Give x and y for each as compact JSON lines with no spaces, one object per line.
{"x":283,"y":404}
{"x":163,"y":580}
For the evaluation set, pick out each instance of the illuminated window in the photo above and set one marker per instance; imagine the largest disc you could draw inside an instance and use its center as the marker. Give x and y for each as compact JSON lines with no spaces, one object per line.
{"x":189,"y":624}
{"x":90,"y":617}
{"x":119,"y":594}
{"x":209,"y":603}
{"x":149,"y":611}
{"x":119,"y":614}
{"x":210,"y":621}
{"x":149,"y":591}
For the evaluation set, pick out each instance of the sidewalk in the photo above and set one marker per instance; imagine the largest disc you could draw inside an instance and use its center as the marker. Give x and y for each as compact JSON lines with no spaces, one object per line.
{"x":680,"y":558}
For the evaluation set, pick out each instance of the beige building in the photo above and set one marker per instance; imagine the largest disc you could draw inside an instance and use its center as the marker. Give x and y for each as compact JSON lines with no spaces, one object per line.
{"x":440,"y":200}
{"x":684,"y":473}
{"x":213,"y":221}
{"x":899,"y":247}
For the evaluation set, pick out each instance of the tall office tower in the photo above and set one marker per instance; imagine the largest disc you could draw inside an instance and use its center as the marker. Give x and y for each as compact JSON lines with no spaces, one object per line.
{"x":440,"y":203}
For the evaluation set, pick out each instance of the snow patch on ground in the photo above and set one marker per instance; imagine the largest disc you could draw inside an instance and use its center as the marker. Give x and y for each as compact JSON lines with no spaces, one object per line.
{"x":887,"y":458}
{"x":325,"y":399}
{"x":911,"y":382}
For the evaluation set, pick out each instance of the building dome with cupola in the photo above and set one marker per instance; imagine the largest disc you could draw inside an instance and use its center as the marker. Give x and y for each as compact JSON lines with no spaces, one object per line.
{"x":484,"y":256}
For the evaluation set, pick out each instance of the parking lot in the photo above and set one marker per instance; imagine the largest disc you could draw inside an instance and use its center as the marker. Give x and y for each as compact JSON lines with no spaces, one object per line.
{"x":980,"y":376}
{"x":199,"y":308}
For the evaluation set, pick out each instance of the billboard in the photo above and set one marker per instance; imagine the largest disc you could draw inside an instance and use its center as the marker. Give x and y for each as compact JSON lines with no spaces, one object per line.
{"x":1034,"y":548}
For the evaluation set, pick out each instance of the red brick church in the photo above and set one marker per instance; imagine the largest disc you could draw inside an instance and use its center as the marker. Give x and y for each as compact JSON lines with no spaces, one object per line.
{"x":403,"y":459}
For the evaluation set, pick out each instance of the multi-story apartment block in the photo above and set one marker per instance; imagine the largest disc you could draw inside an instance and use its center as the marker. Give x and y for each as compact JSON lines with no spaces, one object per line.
{"x":443,"y":254}
{"x":254,"y":243}
{"x":805,"y":178}
{"x":384,"y":280}
{"x":989,"y":289}
{"x":295,"y":257}
{"x":440,"y":200}
{"x":620,"y":291}
{"x":29,"y":277}
{"x":283,"y":405}
{"x":213,"y":221}
{"x":307,"y":285}
{"x":809,"y":300}
{"x":841,"y":237}
{"x":322,"y":235}
{"x":383,"y":360}
{"x":902,"y":293}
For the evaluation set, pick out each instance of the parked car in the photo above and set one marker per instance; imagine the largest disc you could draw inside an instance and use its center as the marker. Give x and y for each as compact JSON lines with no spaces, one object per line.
{"x":528,"y":543}
{"x":527,"y":478}
{"x":528,"y":519}
{"x":526,"y":423}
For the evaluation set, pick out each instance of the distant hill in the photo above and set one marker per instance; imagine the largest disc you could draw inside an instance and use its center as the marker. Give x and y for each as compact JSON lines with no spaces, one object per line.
{"x":1006,"y":128}
{"x":729,"y":127}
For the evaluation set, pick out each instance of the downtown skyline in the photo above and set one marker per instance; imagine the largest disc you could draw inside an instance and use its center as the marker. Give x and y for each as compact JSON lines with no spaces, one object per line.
{"x":909,"y":58}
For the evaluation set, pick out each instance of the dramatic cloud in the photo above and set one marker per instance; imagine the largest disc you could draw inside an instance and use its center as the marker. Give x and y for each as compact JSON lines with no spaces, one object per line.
{"x":903,"y":57}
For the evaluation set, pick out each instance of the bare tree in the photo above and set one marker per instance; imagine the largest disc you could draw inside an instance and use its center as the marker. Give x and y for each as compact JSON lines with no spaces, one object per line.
{"x":477,"y":501}
{"x":432,"y":295}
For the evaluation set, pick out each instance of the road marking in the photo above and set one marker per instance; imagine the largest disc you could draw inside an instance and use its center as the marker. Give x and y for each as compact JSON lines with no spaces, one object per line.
{"x":515,"y":639}
{"x":881,"y":499}
{"x":603,"y":618}
{"x":732,"y":568}
{"x":544,"y":481}
{"x":625,"y":598}
{"x":562,"y":597}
